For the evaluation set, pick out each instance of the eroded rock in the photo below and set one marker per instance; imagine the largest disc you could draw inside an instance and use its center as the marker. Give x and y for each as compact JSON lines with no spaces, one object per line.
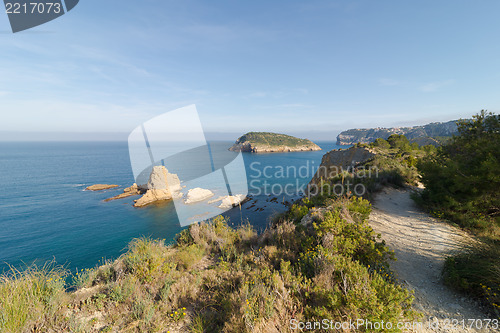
{"x":152,"y":196}
{"x":161,"y":186}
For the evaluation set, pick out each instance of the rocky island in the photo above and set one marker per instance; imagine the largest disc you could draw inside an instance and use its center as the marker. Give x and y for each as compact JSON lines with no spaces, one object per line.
{"x":265,"y":142}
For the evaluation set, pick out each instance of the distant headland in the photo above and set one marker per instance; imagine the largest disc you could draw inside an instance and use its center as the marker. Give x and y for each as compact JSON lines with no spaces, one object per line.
{"x":432,"y":133}
{"x":265,"y":142}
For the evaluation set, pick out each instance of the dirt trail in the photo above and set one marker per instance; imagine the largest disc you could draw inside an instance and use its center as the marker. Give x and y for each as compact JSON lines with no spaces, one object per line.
{"x":421,"y":243}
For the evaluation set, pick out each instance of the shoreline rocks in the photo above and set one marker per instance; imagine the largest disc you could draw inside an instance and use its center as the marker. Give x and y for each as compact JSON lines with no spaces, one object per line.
{"x":100,"y":187}
{"x":164,"y":186}
{"x":127,"y":192}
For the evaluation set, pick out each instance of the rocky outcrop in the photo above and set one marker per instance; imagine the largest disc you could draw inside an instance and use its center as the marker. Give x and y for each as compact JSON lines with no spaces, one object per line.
{"x":128,"y":192}
{"x":161,"y":186}
{"x":161,"y":179}
{"x":198,"y":194}
{"x":100,"y":187}
{"x":337,"y":161}
{"x":414,"y":134}
{"x":264,"y":142}
{"x":152,"y":196}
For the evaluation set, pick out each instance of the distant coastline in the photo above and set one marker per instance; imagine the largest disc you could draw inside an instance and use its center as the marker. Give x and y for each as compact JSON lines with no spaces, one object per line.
{"x":433,"y":133}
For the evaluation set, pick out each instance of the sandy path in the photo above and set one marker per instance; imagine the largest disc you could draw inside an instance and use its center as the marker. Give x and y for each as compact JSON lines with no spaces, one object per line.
{"x":420,"y":243}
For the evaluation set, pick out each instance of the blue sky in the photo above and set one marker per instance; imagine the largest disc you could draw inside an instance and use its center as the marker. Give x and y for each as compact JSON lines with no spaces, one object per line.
{"x":310,"y":68}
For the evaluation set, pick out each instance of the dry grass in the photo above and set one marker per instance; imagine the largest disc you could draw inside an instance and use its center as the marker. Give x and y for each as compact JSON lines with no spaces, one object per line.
{"x":30,"y":298}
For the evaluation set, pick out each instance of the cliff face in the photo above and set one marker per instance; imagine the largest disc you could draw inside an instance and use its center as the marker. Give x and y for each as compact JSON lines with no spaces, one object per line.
{"x":336,"y":161}
{"x":264,"y":142}
{"x":414,"y":134}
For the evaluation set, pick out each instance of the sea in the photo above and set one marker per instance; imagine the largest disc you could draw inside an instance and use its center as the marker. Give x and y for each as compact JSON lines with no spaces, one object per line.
{"x":46,"y":214}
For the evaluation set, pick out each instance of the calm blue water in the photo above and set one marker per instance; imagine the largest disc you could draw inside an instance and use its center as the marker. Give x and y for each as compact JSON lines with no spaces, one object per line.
{"x":45,"y":214}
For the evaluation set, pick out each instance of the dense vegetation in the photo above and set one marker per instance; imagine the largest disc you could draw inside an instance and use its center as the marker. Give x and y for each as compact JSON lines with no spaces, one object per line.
{"x":273,"y":139}
{"x":462,"y":182}
{"x":216,"y":278}
{"x":462,"y":179}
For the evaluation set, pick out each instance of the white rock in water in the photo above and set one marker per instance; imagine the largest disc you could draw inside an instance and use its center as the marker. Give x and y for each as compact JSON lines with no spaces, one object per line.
{"x":162,"y":185}
{"x":198,"y":194}
{"x":231,"y":201}
{"x":161,"y":179}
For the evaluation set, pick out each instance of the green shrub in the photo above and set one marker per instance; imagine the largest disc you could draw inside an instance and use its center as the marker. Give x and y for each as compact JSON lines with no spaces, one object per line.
{"x":143,"y":309}
{"x":147,"y":259}
{"x":121,"y":291}
{"x":297,"y":212}
{"x":184,"y":237}
{"x":476,"y":271}
{"x":164,"y":291}
{"x":189,"y":255}
{"x":381,"y":143}
{"x":84,"y":278}
{"x":359,"y":208}
{"x":400,"y":142}
{"x":346,"y":286}
{"x":88,"y":277}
